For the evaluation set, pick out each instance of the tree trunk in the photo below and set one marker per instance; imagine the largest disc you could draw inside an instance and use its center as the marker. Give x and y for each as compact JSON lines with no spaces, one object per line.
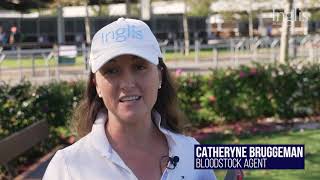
{"x":185,"y":29}
{"x":250,"y":24}
{"x":38,"y":24}
{"x":100,"y":8}
{"x":285,"y":34}
{"x":61,"y":38}
{"x":87,"y":24}
{"x":145,"y":9}
{"x":128,"y":11}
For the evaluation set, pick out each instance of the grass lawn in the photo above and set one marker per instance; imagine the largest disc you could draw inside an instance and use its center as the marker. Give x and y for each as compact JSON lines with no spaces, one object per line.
{"x":38,"y":62}
{"x":311,"y":139}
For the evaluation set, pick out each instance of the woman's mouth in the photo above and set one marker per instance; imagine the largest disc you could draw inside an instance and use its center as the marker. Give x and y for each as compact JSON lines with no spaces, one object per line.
{"x":129,"y":98}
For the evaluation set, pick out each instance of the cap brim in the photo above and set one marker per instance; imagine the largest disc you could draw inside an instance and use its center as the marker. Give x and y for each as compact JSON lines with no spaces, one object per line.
{"x":146,"y":53}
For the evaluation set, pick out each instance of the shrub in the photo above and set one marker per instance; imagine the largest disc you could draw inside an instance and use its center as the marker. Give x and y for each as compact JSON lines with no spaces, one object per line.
{"x":23,"y":104}
{"x":249,"y":93}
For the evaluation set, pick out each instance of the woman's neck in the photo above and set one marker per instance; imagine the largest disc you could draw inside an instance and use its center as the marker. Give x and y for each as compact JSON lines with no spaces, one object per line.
{"x":138,"y":133}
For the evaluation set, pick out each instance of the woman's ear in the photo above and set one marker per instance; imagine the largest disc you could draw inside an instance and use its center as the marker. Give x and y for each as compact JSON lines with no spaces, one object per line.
{"x":98,"y":92}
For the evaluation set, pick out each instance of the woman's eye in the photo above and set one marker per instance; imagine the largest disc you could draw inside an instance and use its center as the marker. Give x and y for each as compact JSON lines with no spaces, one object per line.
{"x":140,"y":67}
{"x":111,"y":71}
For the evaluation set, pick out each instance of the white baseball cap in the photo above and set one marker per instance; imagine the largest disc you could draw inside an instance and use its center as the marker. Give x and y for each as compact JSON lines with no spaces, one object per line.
{"x":124,"y":36}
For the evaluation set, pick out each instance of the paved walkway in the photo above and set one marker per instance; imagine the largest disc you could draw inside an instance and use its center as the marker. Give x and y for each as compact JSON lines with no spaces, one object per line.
{"x":36,"y":171}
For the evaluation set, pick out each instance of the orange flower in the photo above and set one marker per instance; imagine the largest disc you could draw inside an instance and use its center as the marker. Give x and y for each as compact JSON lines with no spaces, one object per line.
{"x":212,"y":99}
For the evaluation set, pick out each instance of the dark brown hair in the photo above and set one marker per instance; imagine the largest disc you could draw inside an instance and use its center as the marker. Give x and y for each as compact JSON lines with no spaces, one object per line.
{"x":166,"y":104}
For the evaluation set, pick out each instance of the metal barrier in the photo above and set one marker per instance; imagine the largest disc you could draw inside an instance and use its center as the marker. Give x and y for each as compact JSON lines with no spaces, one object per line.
{"x":52,"y":58}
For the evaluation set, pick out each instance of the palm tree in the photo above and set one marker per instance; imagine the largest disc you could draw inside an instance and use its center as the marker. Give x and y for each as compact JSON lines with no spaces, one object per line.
{"x":285,"y":34}
{"x":87,"y":24}
{"x":185,"y":30}
{"x":198,"y":8}
{"x":59,"y":4}
{"x":128,"y":4}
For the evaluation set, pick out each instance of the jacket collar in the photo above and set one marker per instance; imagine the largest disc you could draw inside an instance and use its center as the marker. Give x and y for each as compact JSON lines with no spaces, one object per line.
{"x":98,"y":136}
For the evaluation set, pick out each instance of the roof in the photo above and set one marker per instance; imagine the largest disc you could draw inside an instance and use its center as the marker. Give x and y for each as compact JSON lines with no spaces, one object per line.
{"x":171,"y":7}
{"x":176,"y":7}
{"x":255,"y":5}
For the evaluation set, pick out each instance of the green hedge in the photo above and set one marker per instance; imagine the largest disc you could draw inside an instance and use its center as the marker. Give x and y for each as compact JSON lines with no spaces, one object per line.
{"x":249,"y":93}
{"x":246,"y":93}
{"x":23,"y":104}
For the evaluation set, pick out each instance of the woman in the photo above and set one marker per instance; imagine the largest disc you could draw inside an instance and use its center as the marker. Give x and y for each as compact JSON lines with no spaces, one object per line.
{"x":129,"y":119}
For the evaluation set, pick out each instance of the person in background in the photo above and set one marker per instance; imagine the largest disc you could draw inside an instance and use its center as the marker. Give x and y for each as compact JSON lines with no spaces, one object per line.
{"x":129,"y":121}
{"x":269,"y":31}
{"x":14,"y":37}
{"x":43,"y":39}
{"x":3,"y":36}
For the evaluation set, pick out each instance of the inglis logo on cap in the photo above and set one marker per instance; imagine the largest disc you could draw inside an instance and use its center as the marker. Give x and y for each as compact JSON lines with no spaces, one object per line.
{"x":122,"y":34}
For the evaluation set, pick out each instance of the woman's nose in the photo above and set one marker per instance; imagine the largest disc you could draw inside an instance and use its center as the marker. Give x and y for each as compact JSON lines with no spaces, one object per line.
{"x":127,"y":80}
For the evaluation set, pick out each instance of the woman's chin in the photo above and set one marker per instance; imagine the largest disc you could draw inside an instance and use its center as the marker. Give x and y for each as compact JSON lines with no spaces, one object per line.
{"x":132,"y":116}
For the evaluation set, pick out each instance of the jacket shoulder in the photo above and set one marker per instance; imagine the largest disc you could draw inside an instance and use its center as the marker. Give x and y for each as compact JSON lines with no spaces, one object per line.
{"x":77,"y":146}
{"x":184,"y":140}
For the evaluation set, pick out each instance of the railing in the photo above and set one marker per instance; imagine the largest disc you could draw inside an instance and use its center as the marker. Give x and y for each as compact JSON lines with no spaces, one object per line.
{"x":235,"y":51}
{"x":52,"y":58}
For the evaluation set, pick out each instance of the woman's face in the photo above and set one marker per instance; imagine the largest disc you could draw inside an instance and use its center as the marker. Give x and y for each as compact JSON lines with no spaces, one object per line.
{"x":129,"y":87}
